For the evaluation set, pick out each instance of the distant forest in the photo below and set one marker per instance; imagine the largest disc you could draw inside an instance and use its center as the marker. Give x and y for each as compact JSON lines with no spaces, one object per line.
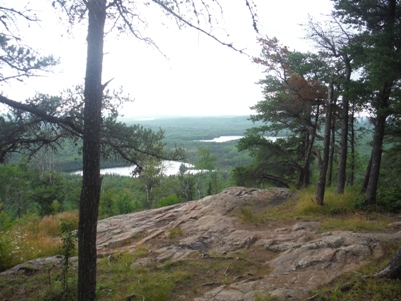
{"x":186,"y":132}
{"x":178,"y":132}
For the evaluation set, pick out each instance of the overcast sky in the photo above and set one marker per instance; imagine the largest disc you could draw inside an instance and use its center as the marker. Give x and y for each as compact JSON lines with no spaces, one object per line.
{"x":197,"y":76}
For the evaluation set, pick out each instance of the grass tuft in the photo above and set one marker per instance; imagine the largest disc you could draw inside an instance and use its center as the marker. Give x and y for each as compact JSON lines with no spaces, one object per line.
{"x":33,"y":237}
{"x":175,"y":233}
{"x":339,"y":211}
{"x":334,"y":204}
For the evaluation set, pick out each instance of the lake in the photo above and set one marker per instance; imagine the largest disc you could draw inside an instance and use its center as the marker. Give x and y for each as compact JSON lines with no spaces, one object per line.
{"x":231,"y":138}
{"x":172,"y":168}
{"x":223,"y":139}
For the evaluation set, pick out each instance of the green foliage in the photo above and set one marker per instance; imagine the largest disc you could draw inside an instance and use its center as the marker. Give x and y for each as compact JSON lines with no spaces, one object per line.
{"x":360,"y":285}
{"x":19,"y":61}
{"x":389,"y":199}
{"x":247,"y":216}
{"x":24,"y":190}
{"x":186,"y":184}
{"x":196,"y":128}
{"x":265,"y":298}
{"x":184,"y":132}
{"x":121,"y":202}
{"x":205,"y":160}
{"x":175,"y":233}
{"x":150,"y":174}
{"x":6,"y":249}
{"x":120,"y":143}
{"x":168,"y":200}
{"x":46,"y":189}
{"x":167,"y":280}
{"x":293,"y":91}
{"x":334,"y":203}
{"x":339,"y":211}
{"x":32,"y":236}
{"x":59,"y":294}
{"x":106,"y":203}
{"x":68,"y":249}
{"x":389,"y":192}
{"x":14,"y":184}
{"x":275,"y":162}
{"x":124,"y":203}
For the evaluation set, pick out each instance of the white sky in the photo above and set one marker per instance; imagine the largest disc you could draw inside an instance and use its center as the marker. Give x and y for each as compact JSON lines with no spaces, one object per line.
{"x":198,"y":77}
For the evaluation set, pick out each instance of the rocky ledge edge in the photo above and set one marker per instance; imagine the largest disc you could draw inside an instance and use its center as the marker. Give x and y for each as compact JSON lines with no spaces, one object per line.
{"x":303,"y":258}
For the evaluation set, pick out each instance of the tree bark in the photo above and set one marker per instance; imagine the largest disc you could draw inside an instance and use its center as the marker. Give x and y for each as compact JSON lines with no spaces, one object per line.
{"x":304,"y":174}
{"x":91,"y":181}
{"x":326,"y":151}
{"x":342,"y":164}
{"x":366,"y":176}
{"x":352,"y":144}
{"x":393,"y":269}
{"x":377,"y":144}
{"x":331,"y":156}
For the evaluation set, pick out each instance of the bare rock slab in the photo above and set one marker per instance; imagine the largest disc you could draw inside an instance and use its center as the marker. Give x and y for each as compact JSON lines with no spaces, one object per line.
{"x":296,"y":257}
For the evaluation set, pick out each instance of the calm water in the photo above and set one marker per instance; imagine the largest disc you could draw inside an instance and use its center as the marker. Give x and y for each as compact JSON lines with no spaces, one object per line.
{"x":223,"y":139}
{"x":231,"y":138}
{"x":172,"y":168}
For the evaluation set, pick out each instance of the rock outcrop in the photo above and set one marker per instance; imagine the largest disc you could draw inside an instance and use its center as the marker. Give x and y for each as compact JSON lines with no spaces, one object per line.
{"x":297,"y":257}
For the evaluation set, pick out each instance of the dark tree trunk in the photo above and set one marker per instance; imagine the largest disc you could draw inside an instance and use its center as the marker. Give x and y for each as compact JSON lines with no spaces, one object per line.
{"x":393,"y":269}
{"x":382,"y":102}
{"x":377,"y":144}
{"x":321,"y":185}
{"x":331,"y":156}
{"x":366,"y":177}
{"x":91,"y":182}
{"x":342,"y":164}
{"x":304,"y":174}
{"x":301,"y":174}
{"x":352,"y":142}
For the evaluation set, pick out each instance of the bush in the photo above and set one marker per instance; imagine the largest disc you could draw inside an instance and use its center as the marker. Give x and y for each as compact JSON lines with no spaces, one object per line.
{"x":5,"y":253}
{"x":389,"y":199}
{"x":169,"y":200}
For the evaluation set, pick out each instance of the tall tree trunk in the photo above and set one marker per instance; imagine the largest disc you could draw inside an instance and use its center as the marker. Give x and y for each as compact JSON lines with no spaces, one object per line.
{"x":377,"y":144}
{"x":91,"y":181}
{"x":352,"y":144}
{"x":304,"y":174}
{"x":301,"y":174}
{"x":366,"y":176}
{"x":331,"y":156}
{"x":391,"y":43}
{"x":323,"y":168}
{"x":342,"y":164}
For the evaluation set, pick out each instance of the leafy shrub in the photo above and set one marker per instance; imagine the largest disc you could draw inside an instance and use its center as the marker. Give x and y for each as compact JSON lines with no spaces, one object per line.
{"x":390,"y":199}
{"x":5,"y":252}
{"x":169,"y":200}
